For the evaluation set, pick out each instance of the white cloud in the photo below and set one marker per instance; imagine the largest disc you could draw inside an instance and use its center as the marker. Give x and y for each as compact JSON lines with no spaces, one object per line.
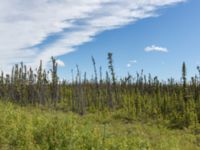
{"x":131,"y":63}
{"x":25,"y":24}
{"x":155,"y":48}
{"x":60,"y":63}
{"x":128,"y":65}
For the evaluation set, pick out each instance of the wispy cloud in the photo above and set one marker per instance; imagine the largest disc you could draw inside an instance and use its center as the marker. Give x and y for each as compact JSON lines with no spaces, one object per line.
{"x":155,"y":48}
{"x":27,"y":25}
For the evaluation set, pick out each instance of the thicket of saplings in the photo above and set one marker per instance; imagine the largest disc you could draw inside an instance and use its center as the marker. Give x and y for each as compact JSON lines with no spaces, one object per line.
{"x":138,"y":97}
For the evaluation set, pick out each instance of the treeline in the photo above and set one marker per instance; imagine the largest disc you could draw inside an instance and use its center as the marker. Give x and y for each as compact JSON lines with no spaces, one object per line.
{"x":139,"y":97}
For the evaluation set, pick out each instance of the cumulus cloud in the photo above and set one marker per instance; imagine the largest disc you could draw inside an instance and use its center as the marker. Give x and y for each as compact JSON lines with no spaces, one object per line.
{"x":38,"y":29}
{"x":155,"y":48}
{"x":60,"y":63}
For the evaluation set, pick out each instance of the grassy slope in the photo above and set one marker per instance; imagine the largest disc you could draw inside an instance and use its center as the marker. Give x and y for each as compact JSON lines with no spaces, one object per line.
{"x":34,"y":128}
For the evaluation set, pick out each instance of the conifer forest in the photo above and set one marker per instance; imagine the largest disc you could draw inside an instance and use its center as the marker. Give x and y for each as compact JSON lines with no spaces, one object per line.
{"x":40,"y":111}
{"x":99,"y":75}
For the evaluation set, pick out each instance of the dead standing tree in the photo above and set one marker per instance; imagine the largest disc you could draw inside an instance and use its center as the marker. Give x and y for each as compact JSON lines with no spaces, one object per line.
{"x":54,"y":83}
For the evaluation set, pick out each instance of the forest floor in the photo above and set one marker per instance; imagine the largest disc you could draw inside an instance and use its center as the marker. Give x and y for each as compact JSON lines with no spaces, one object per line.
{"x":31,"y":128}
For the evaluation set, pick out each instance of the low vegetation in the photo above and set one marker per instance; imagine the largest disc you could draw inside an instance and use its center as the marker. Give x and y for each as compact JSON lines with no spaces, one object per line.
{"x":102,"y":112}
{"x":43,"y":128}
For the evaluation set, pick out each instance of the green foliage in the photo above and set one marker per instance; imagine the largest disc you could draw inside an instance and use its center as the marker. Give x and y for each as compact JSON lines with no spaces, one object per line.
{"x":32,"y":128}
{"x":135,"y":96}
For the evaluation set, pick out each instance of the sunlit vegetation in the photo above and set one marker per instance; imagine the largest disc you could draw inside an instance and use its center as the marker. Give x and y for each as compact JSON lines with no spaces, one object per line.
{"x":31,"y":128}
{"x":39,"y":111}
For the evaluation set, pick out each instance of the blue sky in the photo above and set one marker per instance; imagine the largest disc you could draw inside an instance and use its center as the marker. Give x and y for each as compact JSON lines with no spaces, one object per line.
{"x":73,"y":31}
{"x":176,"y":28}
